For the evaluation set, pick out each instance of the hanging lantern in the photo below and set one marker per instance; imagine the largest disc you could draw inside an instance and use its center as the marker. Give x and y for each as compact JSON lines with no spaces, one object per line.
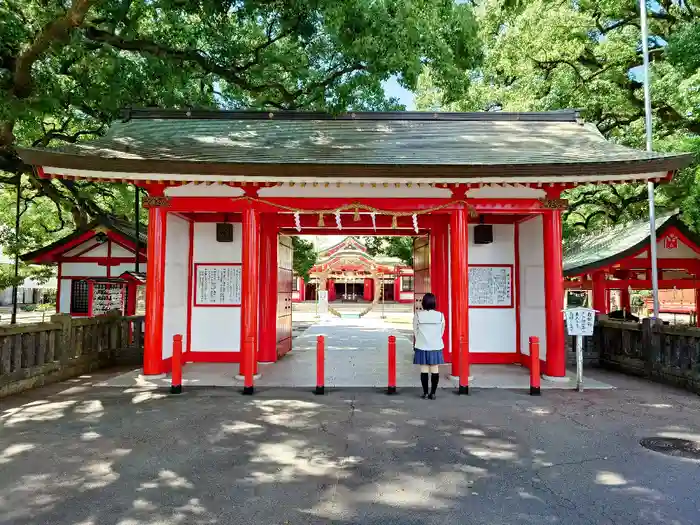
{"x":394,"y":222}
{"x":297,"y":221}
{"x":356,"y":216}
{"x":373,"y":215}
{"x":337,"y":220}
{"x":415,"y":222}
{"x":321,"y":222}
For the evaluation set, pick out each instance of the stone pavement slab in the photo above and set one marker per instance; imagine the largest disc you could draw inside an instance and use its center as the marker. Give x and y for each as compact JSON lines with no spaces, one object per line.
{"x":73,"y":454}
{"x":356,"y":357}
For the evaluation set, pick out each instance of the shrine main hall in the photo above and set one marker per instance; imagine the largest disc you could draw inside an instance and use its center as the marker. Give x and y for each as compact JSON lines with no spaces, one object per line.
{"x":481,"y":193}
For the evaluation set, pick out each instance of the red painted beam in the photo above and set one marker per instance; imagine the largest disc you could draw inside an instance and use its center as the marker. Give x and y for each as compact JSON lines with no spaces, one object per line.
{"x":642,"y":264}
{"x":637,"y":284}
{"x":311,"y":205}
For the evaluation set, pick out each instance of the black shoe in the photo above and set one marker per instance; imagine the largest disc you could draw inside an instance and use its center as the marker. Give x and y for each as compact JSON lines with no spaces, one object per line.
{"x":431,"y":396}
{"x":424,"y":395}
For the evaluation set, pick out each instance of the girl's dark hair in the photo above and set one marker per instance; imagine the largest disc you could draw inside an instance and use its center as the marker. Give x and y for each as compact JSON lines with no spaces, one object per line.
{"x":429,"y":302}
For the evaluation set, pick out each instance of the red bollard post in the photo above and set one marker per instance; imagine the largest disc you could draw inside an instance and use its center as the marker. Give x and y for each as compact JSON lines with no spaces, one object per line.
{"x":391,"y":389}
{"x":463,"y":367}
{"x":320,"y":366}
{"x":176,"y":376}
{"x":534,"y":366}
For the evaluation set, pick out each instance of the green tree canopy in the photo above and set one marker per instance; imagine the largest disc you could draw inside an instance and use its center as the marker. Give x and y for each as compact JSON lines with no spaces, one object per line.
{"x":401,"y":247}
{"x":305,"y":257}
{"x":68,"y":66}
{"x":544,"y":55}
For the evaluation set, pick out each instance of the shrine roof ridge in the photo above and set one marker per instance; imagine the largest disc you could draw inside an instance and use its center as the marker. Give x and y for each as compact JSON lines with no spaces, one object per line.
{"x":563,"y":115}
{"x":592,"y":251}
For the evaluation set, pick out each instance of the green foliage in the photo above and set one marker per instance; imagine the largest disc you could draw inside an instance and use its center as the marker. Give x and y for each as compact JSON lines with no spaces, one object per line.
{"x":67,"y":68}
{"x":305,"y":256}
{"x":544,"y":55}
{"x":401,"y":247}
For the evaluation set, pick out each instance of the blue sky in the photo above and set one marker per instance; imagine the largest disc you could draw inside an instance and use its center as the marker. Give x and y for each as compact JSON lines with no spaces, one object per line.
{"x":393,"y":89}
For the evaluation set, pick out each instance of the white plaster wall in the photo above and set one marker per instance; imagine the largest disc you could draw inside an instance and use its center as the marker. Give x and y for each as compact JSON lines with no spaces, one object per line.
{"x":207,"y":250}
{"x":176,"y":275}
{"x":71,"y":269}
{"x":203,"y":190}
{"x":683,"y":251}
{"x":215,"y":329}
{"x":355,"y":190}
{"x":508,"y":192}
{"x":119,"y":269}
{"x":120,"y":251}
{"x":532,"y":302}
{"x":493,"y":329}
{"x":406,"y":296}
{"x":80,"y":247}
{"x":64,"y":299}
{"x":98,"y":251}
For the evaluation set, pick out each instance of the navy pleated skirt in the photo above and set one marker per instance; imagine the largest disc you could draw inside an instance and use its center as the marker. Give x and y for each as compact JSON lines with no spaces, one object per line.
{"x":428,"y":357}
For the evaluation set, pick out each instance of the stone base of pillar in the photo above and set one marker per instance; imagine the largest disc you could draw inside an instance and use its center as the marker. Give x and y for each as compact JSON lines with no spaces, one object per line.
{"x":456,"y":378}
{"x":240,"y":377}
{"x":556,"y":379}
{"x":153,"y":376}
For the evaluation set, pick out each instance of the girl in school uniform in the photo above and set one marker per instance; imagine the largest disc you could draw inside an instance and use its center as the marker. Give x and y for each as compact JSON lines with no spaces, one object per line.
{"x":428,"y":328}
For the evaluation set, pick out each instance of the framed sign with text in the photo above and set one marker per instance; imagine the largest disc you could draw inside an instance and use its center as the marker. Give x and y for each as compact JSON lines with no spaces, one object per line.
{"x":217,"y":284}
{"x":491,"y":286}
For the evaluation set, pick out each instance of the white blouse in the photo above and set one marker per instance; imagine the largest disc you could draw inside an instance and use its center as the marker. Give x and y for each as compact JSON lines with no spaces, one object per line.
{"x":428,"y":327}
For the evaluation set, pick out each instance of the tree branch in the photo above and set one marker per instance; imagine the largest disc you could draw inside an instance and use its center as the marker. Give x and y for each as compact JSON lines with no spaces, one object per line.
{"x":288,"y":99}
{"x":57,"y":30}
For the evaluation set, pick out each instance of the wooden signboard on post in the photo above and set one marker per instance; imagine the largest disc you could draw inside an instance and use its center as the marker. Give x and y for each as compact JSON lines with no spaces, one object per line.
{"x":105,"y":297}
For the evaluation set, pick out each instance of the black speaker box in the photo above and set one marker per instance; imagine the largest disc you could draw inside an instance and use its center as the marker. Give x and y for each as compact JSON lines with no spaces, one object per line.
{"x":483,"y":234}
{"x":224,"y":232}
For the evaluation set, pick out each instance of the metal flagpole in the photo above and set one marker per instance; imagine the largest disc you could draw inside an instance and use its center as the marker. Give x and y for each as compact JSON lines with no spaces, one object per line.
{"x":15,"y":284}
{"x":650,"y":184}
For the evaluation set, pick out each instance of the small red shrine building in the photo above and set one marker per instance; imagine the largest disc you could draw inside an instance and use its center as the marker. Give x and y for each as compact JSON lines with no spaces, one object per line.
{"x":482,"y":192}
{"x":618,"y":258}
{"x":350,"y":273}
{"x":101,"y":254}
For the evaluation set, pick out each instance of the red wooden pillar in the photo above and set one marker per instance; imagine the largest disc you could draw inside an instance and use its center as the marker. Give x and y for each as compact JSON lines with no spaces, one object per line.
{"x":397,"y":287}
{"x":249,"y":297}
{"x":697,"y":304}
{"x":267,"y":351}
{"x":439,"y":266}
{"x":555,"y":364}
{"x":301,"y":285}
{"x":368,"y":289}
{"x":459,"y":254}
{"x":599,"y":293}
{"x":331,"y":290}
{"x":132,"y":289}
{"x":155,"y":291}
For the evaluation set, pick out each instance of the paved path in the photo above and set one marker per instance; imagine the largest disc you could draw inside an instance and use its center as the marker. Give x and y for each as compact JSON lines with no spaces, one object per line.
{"x":76,"y":455}
{"x":356,"y":356}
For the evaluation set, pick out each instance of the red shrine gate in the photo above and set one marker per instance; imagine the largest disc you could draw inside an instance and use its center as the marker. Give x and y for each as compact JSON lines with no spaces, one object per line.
{"x":261,"y":174}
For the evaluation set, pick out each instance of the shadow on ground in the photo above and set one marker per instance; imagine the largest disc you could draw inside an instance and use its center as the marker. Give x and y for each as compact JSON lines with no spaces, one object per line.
{"x":84,"y":456}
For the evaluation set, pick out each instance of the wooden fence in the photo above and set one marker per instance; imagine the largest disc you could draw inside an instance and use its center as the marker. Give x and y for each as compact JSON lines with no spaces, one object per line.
{"x":32,"y":355}
{"x":663,"y":353}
